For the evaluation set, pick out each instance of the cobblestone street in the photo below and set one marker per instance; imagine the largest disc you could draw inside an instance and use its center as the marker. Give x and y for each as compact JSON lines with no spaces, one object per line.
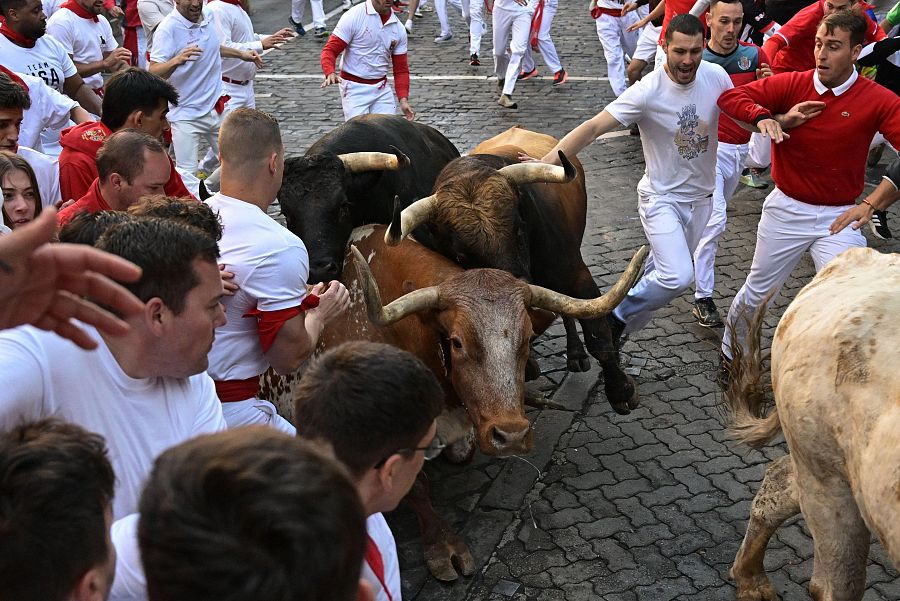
{"x":650,"y":506}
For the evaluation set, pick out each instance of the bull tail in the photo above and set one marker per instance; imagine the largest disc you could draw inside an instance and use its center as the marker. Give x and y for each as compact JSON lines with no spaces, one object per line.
{"x":753,"y":418}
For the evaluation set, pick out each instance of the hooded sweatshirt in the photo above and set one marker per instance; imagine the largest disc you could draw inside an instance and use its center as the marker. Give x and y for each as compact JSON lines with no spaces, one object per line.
{"x":77,"y":161}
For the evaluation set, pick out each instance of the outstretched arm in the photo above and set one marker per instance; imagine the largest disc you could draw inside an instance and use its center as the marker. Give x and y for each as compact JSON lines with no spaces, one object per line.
{"x":577,"y":139}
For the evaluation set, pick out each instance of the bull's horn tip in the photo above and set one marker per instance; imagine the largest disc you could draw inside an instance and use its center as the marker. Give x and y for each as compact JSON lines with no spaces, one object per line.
{"x":402,"y":159}
{"x":568,"y":167}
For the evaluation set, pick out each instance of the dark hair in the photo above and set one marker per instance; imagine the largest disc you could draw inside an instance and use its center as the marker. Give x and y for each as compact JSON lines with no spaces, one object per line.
{"x":56,"y":484}
{"x":848,"y":20}
{"x":247,"y":136}
{"x":367,"y":400}
{"x":184,"y":210}
{"x":250,"y":514}
{"x":714,"y":2}
{"x":123,"y":153}
{"x":13,"y":95}
{"x":686,"y":23}
{"x":165,"y":250}
{"x":134,"y":90}
{"x":86,"y":227}
{"x":10,"y":161}
{"x":8,"y":5}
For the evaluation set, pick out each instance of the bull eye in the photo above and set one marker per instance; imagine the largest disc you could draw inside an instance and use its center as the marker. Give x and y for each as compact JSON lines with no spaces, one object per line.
{"x":456,"y":342}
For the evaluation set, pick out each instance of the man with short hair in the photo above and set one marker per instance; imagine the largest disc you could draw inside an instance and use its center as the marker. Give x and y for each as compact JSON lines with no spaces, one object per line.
{"x":251,"y":514}
{"x":675,"y":109}
{"x":134,"y":99}
{"x":56,"y":492}
{"x":744,"y":62}
{"x":816,"y":180}
{"x":14,"y":101}
{"x":273,"y":319}
{"x":25,"y":49}
{"x":376,"y":406}
{"x":144,"y":390}
{"x":130,"y":164}
{"x":88,"y":38}
{"x":187,"y":52}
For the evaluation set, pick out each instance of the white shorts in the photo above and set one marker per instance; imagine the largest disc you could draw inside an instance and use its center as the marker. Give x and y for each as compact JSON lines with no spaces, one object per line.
{"x":647,"y":43}
{"x":255,"y":412}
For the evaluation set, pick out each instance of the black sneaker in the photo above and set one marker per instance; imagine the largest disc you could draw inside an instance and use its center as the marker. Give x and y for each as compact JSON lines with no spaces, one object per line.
{"x":723,"y":372}
{"x":297,"y":27}
{"x":706,"y":313}
{"x":474,"y":61}
{"x":616,"y":327}
{"x":878,"y":225}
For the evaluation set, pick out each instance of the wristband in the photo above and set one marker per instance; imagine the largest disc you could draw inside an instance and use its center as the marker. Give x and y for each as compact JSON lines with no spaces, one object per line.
{"x":864,"y":201}
{"x":762,"y":117}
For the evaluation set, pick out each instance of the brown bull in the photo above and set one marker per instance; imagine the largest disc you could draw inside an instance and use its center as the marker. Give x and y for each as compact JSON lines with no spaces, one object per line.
{"x":837,"y":401}
{"x":490,"y":210}
{"x":472,"y":328}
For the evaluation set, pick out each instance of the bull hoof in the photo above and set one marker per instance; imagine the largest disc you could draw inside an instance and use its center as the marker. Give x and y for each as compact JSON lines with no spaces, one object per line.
{"x":578,"y":364}
{"x":626,"y":399}
{"x":753,"y":588}
{"x":449,"y":558}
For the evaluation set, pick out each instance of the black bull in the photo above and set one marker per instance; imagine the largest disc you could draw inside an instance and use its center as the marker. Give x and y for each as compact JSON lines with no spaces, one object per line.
{"x":322,"y":200}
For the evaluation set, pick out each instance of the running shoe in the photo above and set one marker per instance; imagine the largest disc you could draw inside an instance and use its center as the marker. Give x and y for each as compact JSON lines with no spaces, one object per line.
{"x":560,"y":77}
{"x":473,"y":60}
{"x":751,"y":178}
{"x":529,"y":75}
{"x":346,"y":5}
{"x":706,"y":313}
{"x":878,"y":225}
{"x":297,"y":27}
{"x":321,"y":32}
{"x":408,"y":25}
{"x":506,"y":102}
{"x":418,"y":13}
{"x":444,"y":37}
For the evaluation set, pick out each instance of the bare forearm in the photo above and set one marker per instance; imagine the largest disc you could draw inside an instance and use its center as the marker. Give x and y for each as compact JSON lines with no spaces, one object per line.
{"x":227,"y":52}
{"x":295,"y":342}
{"x":165,"y":69}
{"x":88,"y":69}
{"x":79,"y":115}
{"x":88,"y":100}
{"x":580,"y":137}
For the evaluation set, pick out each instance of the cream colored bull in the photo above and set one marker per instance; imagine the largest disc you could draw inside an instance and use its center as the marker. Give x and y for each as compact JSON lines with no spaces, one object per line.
{"x":836,"y":382}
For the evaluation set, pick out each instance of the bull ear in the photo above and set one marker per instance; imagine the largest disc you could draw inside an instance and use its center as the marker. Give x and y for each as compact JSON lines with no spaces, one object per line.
{"x":409,"y":219}
{"x":402,"y":159}
{"x":356,"y":162}
{"x":203,"y":192}
{"x":413,"y":302}
{"x":594,"y":308}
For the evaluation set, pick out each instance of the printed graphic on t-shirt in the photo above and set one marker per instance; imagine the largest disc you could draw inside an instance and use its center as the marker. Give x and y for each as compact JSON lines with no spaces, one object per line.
{"x":692,"y":138}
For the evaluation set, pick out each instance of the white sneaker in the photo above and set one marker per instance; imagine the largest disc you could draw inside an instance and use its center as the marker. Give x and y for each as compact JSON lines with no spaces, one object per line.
{"x":346,"y":4}
{"x":418,"y":13}
{"x":408,"y":25}
{"x":444,"y":37}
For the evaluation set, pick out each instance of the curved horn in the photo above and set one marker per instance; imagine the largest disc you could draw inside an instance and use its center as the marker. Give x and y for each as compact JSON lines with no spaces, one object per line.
{"x":594,"y":308}
{"x":405,"y":221}
{"x":413,"y":302}
{"x":354,"y":162}
{"x":537,"y":172}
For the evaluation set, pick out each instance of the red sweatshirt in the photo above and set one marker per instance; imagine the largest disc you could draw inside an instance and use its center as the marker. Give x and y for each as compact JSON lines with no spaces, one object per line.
{"x":399,"y":63}
{"x":791,"y":47}
{"x":77,"y":167}
{"x":824,"y":160}
{"x":91,"y":202}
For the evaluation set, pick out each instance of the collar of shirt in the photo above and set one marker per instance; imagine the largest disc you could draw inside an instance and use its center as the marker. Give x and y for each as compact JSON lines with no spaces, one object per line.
{"x":370,"y":10}
{"x":187,"y":23}
{"x":821,"y":88}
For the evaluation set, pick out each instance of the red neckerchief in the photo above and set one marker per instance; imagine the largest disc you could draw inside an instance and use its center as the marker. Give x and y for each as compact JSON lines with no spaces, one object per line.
{"x":13,"y":77}
{"x":235,"y":2}
{"x":376,"y":563}
{"x":15,"y":38}
{"x":79,"y":10}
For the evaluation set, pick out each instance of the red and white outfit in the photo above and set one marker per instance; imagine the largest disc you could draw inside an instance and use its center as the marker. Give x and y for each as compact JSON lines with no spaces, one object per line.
{"x":815,"y":180}
{"x":381,"y":567}
{"x":371,"y":45}
{"x":152,"y":12}
{"x":678,"y":125}
{"x":49,"y":109}
{"x":236,"y":31}
{"x":617,"y":41}
{"x":134,"y":36}
{"x":200,"y":88}
{"x":298,"y":12}
{"x":270,"y":265}
{"x":85,"y":36}
{"x":540,"y":37}
{"x":511,"y":23}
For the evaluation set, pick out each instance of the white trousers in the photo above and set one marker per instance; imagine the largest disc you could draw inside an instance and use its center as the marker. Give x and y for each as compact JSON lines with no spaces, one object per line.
{"x":142,"y":48}
{"x":515,"y":27}
{"x":673,"y":226}
{"x":441,"y":7}
{"x":473,"y":13}
{"x":363,"y":99}
{"x":298,"y":11}
{"x":187,"y":137}
{"x":544,"y":43}
{"x":254,"y":412}
{"x":787,"y":229}
{"x":729,"y":164}
{"x":759,"y":155}
{"x":241,"y":97}
{"x":616,"y":44}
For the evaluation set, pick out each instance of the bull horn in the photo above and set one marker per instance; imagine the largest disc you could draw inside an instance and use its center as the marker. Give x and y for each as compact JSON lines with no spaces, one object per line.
{"x":537,"y":172}
{"x":355,"y":162}
{"x":594,"y":308}
{"x":405,"y":221}
{"x":413,"y":302}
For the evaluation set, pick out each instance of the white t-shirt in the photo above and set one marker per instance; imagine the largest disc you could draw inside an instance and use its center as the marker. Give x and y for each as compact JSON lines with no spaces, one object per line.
{"x":513,"y":6}
{"x":235,"y":30}
{"x":370,"y":44}
{"x":48,"y":60}
{"x":46,"y":171}
{"x":129,"y":584}
{"x":270,"y":265}
{"x":679,"y":125}
{"x":51,"y":6}
{"x":84,"y":39}
{"x":49,"y":110}
{"x":44,"y":375}
{"x":152,"y":12}
{"x":381,"y":535}
{"x":199,"y":82}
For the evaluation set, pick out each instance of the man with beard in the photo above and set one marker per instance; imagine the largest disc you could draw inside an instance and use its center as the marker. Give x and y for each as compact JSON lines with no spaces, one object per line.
{"x":675,"y":110}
